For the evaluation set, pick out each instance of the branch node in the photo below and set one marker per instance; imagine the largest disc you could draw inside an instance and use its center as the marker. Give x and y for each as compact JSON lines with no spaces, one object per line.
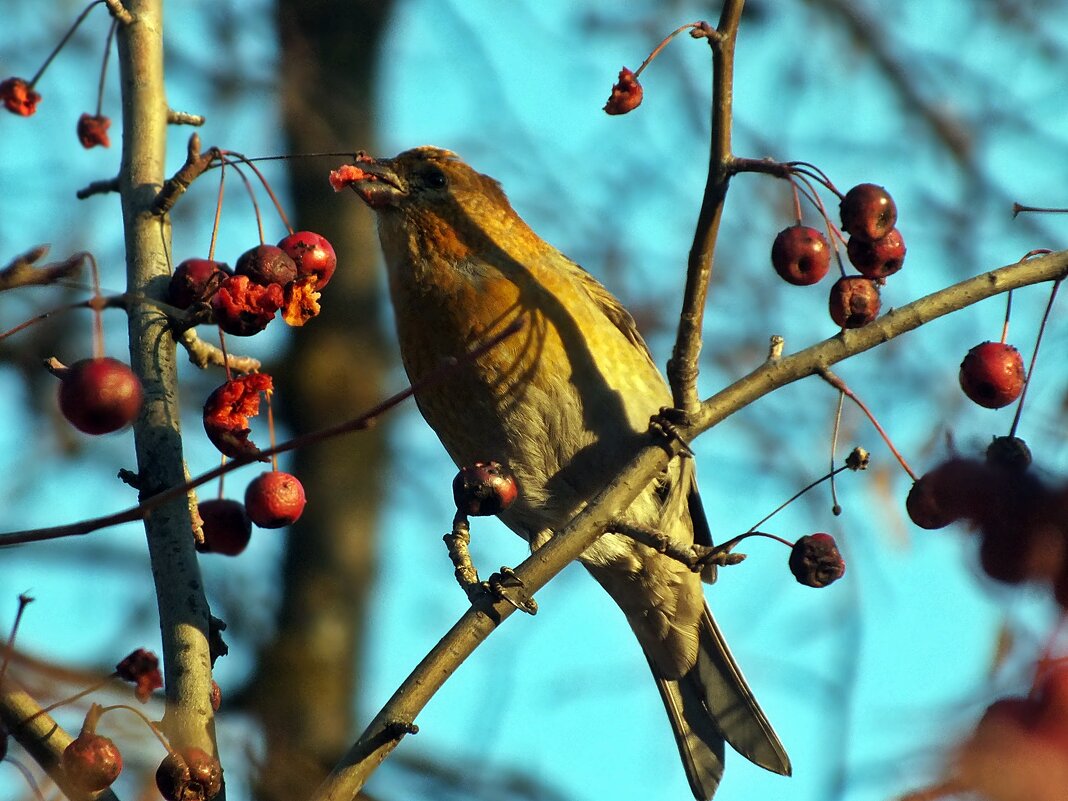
{"x":119,"y":11}
{"x":194,"y":167}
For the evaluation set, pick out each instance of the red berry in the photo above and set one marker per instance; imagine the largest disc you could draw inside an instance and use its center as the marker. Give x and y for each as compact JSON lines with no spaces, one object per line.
{"x":226,"y":526}
{"x":91,"y":761}
{"x":274,"y":499}
{"x":195,"y":281}
{"x":868,"y":212}
{"x":1008,"y":453}
{"x":99,"y":396}
{"x":800,"y":255}
{"x":877,"y":258}
{"x":266,"y":264}
{"x":626,"y":94}
{"x":485,"y":488}
{"x":312,"y":254}
{"x":992,"y":374}
{"x":815,"y":560}
{"x":854,"y":301}
{"x":141,"y":668}
{"x":191,"y":774}
{"x":216,"y":696}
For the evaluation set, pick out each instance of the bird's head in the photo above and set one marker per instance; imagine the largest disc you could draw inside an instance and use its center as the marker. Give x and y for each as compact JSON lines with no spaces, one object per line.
{"x":428,"y":200}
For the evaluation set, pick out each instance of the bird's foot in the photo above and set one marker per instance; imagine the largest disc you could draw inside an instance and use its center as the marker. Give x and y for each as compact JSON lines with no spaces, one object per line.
{"x":708,"y":558}
{"x":666,"y":424}
{"x":507,"y":586}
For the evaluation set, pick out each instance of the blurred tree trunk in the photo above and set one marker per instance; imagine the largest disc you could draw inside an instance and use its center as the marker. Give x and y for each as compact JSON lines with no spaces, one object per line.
{"x":306,"y":688}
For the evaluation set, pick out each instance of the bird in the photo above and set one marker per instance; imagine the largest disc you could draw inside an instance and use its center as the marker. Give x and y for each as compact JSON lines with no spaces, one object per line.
{"x":561,"y":404}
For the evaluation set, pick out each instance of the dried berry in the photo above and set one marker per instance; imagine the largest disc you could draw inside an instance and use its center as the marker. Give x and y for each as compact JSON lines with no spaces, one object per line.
{"x":854,"y":301}
{"x":992,"y":374}
{"x":18,"y":97}
{"x":626,"y":94}
{"x":93,"y":130}
{"x":141,"y":667}
{"x":274,"y":499}
{"x":485,"y":488}
{"x":800,"y":255}
{"x":815,"y":560}
{"x":99,"y":396}
{"x":226,"y":527}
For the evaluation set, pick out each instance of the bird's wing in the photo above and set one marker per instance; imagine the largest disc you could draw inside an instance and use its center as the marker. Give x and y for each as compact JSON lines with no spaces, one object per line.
{"x":610,"y":307}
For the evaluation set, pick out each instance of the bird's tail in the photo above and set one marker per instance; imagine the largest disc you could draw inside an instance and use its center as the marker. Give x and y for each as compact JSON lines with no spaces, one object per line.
{"x":711,"y":704}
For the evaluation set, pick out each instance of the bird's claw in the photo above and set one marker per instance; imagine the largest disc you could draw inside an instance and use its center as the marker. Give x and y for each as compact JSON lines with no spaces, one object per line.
{"x":666,"y":424}
{"x":507,"y":586}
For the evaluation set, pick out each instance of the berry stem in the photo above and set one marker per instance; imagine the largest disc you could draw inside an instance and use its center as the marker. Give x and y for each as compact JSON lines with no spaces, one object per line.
{"x":842,"y":387}
{"x":97,"y":305}
{"x":155,"y":729}
{"x":63,"y":42}
{"x":92,"y":688}
{"x":104,"y":66}
{"x":797,"y":200}
{"x":1008,"y":314}
{"x":218,"y":210}
{"x":836,"y":509}
{"x":794,"y":497}
{"x":664,"y":43}
{"x":1034,"y":357}
{"x":270,"y":430}
{"x":266,"y":186}
{"x":251,"y":193}
{"x":726,"y":547}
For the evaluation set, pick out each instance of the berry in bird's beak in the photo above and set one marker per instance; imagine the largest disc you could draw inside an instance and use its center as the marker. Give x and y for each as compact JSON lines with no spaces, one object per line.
{"x":374,"y":181}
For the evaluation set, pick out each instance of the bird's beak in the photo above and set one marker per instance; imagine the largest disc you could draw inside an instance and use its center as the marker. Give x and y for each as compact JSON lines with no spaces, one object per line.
{"x":375,"y":181}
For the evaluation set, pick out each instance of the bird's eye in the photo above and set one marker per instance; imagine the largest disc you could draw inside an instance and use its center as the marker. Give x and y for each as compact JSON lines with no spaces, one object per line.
{"x":434,"y":178}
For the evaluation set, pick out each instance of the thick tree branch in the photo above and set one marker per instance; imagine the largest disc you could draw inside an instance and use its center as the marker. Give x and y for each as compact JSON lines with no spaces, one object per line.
{"x":179,"y":590}
{"x":682,"y":369}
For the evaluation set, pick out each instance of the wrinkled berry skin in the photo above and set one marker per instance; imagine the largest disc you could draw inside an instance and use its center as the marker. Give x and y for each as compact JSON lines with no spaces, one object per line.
{"x":99,"y":396}
{"x":815,"y":560}
{"x":992,"y":374}
{"x":854,"y":301}
{"x":274,"y":499}
{"x":485,"y":488}
{"x":266,"y":264}
{"x":800,"y":255}
{"x":189,"y":775}
{"x":92,"y":762}
{"x":195,"y":281}
{"x":868,"y":212}
{"x":312,"y":254}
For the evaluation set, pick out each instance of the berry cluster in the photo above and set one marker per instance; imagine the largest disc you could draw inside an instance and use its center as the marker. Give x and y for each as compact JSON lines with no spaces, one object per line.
{"x":242,"y":302}
{"x":1021,"y":522}
{"x":801,"y":255}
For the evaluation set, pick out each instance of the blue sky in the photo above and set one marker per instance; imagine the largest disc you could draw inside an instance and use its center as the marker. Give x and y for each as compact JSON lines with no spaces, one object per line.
{"x":867,"y":682}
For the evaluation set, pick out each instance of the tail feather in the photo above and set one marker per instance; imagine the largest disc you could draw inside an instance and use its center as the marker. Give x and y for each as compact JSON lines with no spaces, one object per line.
{"x":712,"y":704}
